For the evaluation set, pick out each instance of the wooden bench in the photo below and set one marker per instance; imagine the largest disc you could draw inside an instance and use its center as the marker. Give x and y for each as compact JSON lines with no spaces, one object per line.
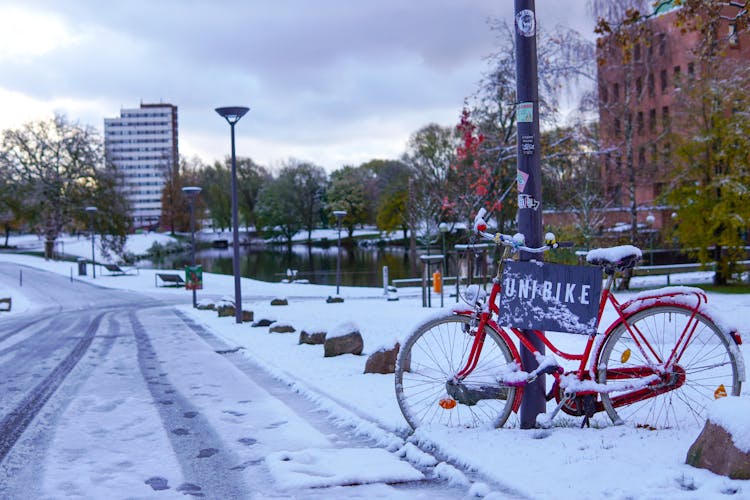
{"x":166,"y":279}
{"x":5,"y":304}
{"x":115,"y":270}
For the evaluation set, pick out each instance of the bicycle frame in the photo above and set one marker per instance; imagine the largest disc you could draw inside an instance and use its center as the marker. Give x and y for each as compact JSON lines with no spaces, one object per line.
{"x":587,"y":363}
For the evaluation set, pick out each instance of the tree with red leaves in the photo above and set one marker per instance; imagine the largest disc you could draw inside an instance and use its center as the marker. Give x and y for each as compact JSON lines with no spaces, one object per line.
{"x":471,"y":182}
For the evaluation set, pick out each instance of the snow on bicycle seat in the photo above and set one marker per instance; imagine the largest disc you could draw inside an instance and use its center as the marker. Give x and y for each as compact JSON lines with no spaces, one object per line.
{"x":615,"y":258}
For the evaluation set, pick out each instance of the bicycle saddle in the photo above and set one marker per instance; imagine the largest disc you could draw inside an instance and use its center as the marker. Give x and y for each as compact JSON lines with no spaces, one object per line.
{"x":615,"y":259}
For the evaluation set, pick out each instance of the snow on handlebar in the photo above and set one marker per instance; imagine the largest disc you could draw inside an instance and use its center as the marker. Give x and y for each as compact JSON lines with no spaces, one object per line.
{"x":517,"y":241}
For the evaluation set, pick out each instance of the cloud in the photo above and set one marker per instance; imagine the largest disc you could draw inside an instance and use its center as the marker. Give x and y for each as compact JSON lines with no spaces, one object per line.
{"x":314,"y":73}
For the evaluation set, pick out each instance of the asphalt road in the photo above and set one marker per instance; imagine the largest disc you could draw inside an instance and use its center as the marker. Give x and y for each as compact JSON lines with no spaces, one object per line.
{"x":91,"y":340}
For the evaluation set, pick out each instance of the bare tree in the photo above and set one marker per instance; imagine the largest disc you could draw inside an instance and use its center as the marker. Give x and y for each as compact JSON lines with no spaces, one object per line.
{"x":56,"y":162}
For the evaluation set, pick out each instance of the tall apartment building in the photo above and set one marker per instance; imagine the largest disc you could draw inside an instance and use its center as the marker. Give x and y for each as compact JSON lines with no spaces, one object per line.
{"x":142,"y":143}
{"x":636,"y":103}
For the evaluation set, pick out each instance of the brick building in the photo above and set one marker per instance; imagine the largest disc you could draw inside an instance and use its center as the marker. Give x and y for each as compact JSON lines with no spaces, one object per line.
{"x":636,"y":106}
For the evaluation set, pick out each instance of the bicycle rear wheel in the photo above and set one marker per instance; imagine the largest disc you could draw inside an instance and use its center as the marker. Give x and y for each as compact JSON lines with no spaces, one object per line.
{"x":676,"y":396}
{"x":427,"y":363}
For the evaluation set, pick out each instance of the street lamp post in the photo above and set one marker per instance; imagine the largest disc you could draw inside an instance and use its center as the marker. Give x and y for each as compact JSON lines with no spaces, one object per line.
{"x":192,"y":192}
{"x":650,"y":219}
{"x":443,"y":227}
{"x":340,"y":214}
{"x":232,"y":115}
{"x":92,"y":212}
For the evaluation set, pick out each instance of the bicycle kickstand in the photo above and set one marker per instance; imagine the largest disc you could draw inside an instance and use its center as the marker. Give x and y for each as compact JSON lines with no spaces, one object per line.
{"x":547,"y":423}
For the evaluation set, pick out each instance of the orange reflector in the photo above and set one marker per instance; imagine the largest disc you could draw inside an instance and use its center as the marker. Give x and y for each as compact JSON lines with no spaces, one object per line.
{"x":625,"y":356}
{"x":447,"y":403}
{"x":720,"y":392}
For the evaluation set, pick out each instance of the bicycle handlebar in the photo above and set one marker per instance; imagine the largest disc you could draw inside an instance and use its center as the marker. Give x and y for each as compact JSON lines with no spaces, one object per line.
{"x":516,"y":242}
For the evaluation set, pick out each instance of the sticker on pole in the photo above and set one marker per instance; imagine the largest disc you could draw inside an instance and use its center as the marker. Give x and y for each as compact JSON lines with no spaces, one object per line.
{"x":194,"y":277}
{"x":525,"y":112}
{"x":526,"y":23}
{"x":552,"y":297}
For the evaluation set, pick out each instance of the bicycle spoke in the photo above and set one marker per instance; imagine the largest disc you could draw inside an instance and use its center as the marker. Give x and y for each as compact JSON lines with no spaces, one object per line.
{"x":436,"y":351}
{"x":699,"y":366}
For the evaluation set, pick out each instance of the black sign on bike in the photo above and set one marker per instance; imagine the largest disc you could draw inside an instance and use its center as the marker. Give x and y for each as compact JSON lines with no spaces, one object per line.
{"x":550,"y":297}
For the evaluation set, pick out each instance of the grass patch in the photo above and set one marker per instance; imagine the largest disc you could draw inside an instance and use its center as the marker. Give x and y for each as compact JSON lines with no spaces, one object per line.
{"x":734,"y":289}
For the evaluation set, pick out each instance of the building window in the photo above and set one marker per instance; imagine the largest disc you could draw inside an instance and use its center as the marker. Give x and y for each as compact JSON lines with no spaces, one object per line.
{"x":676,"y":76}
{"x":638,"y":86}
{"x":734,"y":40}
{"x":652,"y":120}
{"x":605,"y":96}
{"x":637,"y":52}
{"x":663,"y":78}
{"x":616,"y":92}
{"x":651,"y":84}
{"x":641,"y":156}
{"x":666,"y":154}
{"x":691,"y":70}
{"x":665,"y":117}
{"x":639,"y":123}
{"x":618,"y":127}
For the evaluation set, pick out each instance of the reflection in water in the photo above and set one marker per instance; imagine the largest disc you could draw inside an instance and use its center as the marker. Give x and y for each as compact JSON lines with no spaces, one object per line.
{"x":359,"y":266}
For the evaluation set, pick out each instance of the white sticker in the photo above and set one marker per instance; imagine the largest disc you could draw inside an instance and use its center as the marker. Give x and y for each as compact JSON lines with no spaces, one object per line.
{"x":526,"y":23}
{"x":526,"y":201}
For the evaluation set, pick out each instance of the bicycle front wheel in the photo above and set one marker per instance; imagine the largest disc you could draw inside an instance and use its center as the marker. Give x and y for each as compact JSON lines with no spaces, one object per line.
{"x":663,"y":376}
{"x":427,"y":363}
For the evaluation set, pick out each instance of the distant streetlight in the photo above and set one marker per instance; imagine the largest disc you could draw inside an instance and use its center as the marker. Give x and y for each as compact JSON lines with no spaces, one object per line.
{"x":340,"y":214}
{"x":92,"y":212}
{"x":232,"y":115}
{"x":192,"y":192}
{"x":443,"y":227}
{"x":650,"y":219}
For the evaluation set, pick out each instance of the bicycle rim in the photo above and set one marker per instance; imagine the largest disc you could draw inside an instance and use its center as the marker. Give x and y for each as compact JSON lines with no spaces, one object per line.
{"x":431,"y":356}
{"x":706,"y":370}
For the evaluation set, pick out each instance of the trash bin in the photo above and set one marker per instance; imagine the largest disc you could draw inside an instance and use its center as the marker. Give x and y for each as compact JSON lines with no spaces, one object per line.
{"x":81,"y":267}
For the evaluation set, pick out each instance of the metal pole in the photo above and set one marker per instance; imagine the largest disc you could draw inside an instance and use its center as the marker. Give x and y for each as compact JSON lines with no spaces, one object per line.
{"x":529,"y":182}
{"x":338,"y":260}
{"x":235,"y":239}
{"x":93,"y":255}
{"x":192,"y":241}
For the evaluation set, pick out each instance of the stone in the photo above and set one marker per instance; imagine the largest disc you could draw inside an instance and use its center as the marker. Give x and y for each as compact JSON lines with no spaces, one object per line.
{"x":205,"y":305}
{"x":334,"y":300}
{"x":312,"y":337}
{"x":225,"y":310}
{"x":281,"y":328}
{"x":247,"y":316}
{"x":263,"y":322}
{"x":349,"y":343}
{"x":279,"y":302}
{"x":715,"y":451}
{"x":382,"y":361}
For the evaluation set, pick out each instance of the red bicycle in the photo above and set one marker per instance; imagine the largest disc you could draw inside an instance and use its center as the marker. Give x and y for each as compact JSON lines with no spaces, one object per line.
{"x":657,"y":365}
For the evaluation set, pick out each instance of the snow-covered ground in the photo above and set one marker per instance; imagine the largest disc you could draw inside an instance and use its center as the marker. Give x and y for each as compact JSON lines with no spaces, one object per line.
{"x":562,"y":462}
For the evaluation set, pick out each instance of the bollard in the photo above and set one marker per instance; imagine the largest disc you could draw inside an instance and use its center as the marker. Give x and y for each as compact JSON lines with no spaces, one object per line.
{"x":385,"y":280}
{"x":437,"y":282}
{"x":20,"y":277}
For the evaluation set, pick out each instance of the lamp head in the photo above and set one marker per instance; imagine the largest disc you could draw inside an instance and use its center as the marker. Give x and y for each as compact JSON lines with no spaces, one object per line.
{"x":232,"y":113}
{"x":91,"y":210}
{"x":339,"y":214}
{"x":191,"y":191}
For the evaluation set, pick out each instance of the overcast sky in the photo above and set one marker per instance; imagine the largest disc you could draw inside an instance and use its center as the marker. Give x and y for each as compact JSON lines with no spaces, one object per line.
{"x":335,"y":82}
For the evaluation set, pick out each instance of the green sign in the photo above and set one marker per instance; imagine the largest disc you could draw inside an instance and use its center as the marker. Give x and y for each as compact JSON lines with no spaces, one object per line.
{"x":193,"y":277}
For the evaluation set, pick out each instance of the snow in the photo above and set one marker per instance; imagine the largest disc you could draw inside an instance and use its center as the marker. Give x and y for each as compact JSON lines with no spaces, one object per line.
{"x":724,"y":412}
{"x":561,"y":462}
{"x":613,"y":254}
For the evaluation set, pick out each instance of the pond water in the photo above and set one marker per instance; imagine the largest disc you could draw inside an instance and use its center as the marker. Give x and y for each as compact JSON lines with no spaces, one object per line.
{"x":359,"y":266}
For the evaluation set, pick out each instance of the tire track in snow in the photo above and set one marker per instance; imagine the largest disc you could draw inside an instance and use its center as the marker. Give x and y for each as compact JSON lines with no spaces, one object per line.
{"x":18,"y":419}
